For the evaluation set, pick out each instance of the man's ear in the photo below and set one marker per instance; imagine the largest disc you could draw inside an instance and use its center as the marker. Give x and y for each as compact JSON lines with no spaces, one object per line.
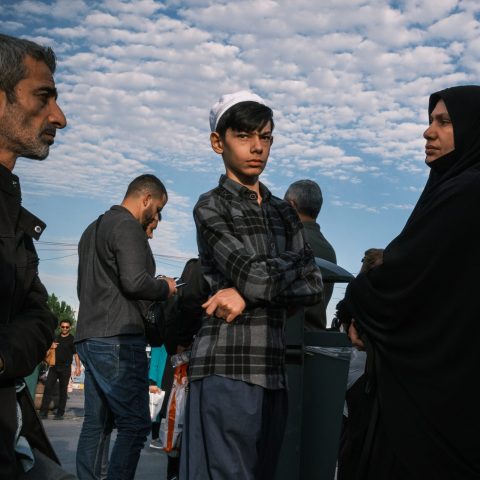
{"x":292,"y":203}
{"x":146,"y":199}
{"x":216,"y":142}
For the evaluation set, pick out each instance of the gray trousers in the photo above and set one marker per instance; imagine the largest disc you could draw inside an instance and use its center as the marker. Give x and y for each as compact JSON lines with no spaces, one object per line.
{"x":233,"y":430}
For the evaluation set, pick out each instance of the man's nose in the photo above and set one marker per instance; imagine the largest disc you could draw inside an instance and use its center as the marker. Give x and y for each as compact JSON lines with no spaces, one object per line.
{"x":56,"y":116}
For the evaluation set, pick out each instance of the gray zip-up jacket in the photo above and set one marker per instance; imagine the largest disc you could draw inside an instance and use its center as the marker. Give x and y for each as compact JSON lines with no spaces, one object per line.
{"x":109,"y":308}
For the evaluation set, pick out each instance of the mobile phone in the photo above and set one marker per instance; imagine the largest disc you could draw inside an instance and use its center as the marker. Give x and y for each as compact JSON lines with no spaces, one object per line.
{"x":179,"y":282}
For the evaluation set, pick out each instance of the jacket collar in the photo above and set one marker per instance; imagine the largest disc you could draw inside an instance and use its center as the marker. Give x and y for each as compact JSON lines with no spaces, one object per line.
{"x":31,"y":224}
{"x":9,"y":182}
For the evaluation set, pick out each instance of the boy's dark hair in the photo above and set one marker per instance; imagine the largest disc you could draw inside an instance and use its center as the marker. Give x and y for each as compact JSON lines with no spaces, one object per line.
{"x":147,"y":184}
{"x":245,"y":117}
{"x":12,"y":67}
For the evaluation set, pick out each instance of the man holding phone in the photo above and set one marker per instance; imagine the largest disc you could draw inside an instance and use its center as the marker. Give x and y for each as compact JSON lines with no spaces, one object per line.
{"x":115,"y":279}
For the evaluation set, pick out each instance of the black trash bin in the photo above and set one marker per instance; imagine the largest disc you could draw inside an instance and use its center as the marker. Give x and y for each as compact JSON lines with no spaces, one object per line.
{"x":326,"y":362}
{"x":317,"y":369}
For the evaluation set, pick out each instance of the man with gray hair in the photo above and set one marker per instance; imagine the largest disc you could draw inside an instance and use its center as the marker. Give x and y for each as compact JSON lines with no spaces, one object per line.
{"x":306,"y":198}
{"x":29,"y":119}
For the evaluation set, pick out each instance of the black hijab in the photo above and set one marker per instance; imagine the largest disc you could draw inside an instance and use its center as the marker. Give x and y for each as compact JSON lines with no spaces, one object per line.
{"x":421,"y":312}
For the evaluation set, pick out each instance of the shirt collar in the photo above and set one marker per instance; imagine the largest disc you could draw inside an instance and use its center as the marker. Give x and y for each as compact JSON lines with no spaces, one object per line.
{"x":239,"y":190}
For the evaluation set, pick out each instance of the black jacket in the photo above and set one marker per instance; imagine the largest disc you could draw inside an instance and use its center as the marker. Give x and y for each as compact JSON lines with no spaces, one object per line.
{"x":315,"y":315}
{"x":115,"y":274}
{"x":26,"y":323}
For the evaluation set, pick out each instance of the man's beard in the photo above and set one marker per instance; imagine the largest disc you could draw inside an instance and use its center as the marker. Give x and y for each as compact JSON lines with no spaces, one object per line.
{"x":36,"y":150}
{"x":147,"y":219}
{"x":17,"y":134}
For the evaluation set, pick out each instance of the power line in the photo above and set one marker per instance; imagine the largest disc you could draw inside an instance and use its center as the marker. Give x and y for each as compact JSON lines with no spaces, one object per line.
{"x":56,"y":258}
{"x":65,"y":247}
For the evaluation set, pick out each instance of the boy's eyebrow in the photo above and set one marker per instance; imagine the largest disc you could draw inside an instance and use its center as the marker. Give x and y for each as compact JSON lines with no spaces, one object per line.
{"x":260,"y":132}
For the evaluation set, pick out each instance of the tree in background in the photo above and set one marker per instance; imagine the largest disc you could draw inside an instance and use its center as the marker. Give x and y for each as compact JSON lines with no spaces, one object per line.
{"x":62,"y":310}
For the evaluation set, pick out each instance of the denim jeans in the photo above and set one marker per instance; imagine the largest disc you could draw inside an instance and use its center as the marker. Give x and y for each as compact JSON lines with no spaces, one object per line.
{"x":116,"y":393}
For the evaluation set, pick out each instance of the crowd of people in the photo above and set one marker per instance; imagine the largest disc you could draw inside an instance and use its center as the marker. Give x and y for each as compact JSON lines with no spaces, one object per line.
{"x":412,"y":311}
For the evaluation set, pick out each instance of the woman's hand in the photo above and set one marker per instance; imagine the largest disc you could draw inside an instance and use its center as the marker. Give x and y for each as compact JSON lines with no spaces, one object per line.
{"x":354,"y":337}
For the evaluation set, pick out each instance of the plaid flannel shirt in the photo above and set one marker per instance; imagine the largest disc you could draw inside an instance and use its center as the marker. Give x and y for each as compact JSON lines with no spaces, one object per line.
{"x":260,"y":250}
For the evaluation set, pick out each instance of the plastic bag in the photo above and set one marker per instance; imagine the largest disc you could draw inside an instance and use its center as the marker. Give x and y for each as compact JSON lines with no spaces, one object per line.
{"x":171,"y":427}
{"x":156,"y":402}
{"x":340,"y":353}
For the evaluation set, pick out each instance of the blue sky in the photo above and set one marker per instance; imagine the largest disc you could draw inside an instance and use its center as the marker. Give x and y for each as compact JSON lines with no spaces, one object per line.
{"x":348,"y":81}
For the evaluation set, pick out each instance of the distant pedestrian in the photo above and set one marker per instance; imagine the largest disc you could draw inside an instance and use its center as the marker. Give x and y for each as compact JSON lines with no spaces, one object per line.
{"x":61,"y":371}
{"x":158,"y":358}
{"x":158,"y":361}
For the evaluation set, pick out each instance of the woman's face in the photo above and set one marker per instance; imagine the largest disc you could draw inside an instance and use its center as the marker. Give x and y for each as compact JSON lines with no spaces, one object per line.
{"x":439,"y":135}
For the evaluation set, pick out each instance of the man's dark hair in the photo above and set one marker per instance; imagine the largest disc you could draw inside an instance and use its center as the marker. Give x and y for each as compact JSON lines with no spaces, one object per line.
{"x":147,"y":184}
{"x":245,"y":117}
{"x":66,"y":320}
{"x":12,"y":67}
{"x":307,"y":196}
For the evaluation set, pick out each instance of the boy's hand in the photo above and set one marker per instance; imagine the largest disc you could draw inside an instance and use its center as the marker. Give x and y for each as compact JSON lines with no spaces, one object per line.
{"x":227,"y":304}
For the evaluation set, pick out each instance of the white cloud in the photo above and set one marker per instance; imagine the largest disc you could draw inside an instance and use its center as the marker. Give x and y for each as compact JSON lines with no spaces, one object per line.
{"x":349,"y":82}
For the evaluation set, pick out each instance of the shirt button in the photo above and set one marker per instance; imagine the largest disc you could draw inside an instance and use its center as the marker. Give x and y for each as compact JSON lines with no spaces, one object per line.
{"x":253,"y":196}
{"x":38,"y":229}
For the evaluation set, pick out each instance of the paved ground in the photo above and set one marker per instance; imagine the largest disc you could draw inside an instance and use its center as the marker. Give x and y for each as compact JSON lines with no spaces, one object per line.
{"x":64,"y":436}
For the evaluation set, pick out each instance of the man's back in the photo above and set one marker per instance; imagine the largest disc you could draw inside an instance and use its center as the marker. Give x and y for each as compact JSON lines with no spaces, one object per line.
{"x":315,"y":316}
{"x":115,"y":270}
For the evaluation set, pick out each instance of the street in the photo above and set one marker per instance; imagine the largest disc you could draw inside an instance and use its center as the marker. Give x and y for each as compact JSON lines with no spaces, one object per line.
{"x":64,"y":437}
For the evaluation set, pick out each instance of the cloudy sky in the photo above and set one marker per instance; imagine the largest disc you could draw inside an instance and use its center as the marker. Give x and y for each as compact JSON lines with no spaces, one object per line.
{"x":348,"y":81}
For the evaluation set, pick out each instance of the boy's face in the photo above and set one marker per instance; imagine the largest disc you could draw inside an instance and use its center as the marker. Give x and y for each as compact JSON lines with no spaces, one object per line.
{"x":245,"y":154}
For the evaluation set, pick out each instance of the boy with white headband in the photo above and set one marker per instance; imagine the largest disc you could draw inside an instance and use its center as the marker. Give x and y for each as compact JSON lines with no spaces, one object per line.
{"x":257,"y":263}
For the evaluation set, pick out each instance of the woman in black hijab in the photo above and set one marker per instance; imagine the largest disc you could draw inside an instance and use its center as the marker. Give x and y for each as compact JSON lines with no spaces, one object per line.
{"x":419,"y":314}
